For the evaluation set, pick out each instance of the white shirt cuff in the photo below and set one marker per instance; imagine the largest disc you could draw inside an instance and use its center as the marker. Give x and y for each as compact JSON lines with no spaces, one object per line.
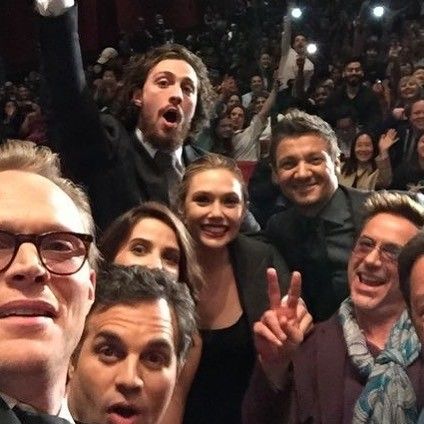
{"x":53,"y":7}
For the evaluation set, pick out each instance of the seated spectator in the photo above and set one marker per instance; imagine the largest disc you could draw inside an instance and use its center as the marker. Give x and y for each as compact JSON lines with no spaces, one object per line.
{"x":222,"y":134}
{"x":419,"y":75}
{"x":256,"y":87}
{"x":47,"y":264}
{"x":409,"y":175}
{"x":246,"y":144}
{"x":368,"y":165}
{"x":364,"y":363}
{"x":12,"y":119}
{"x":213,"y":200}
{"x":355,"y":95}
{"x":134,"y":344}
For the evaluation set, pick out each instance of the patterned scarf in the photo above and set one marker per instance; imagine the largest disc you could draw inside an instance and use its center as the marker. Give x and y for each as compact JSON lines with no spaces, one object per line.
{"x":388,"y":396}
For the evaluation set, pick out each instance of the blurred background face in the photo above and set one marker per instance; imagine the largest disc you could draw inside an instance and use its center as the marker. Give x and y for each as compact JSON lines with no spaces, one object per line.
{"x":233,"y":101}
{"x":364,"y":148}
{"x":299,"y":44}
{"x":420,"y":147}
{"x":265,"y":61}
{"x":259,"y":102}
{"x":353,"y":73}
{"x":321,"y":96}
{"x":256,"y":84}
{"x":214,"y":207}
{"x":419,"y":75}
{"x":151,"y":243}
{"x":408,"y":87}
{"x":224,"y":130}
{"x":237,"y":118}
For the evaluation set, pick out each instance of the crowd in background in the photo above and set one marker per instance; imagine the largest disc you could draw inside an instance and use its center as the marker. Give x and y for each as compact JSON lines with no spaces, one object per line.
{"x":243,"y":49}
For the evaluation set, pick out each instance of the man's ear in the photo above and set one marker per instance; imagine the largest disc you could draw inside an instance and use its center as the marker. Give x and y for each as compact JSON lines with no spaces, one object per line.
{"x":337,"y":165}
{"x":137,"y":97}
{"x":92,"y":289}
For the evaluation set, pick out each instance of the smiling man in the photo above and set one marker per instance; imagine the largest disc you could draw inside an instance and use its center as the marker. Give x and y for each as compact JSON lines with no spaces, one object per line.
{"x":47,"y":264}
{"x":362,"y":365}
{"x":166,"y":99}
{"x":135,"y":341}
{"x":315,"y":235}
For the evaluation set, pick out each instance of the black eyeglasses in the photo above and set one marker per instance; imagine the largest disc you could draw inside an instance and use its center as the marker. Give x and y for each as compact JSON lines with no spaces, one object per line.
{"x":61,"y":253}
{"x":388,"y":252}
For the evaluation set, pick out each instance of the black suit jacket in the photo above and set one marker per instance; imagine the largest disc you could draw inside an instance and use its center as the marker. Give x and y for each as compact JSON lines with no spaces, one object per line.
{"x":285,"y":232}
{"x":250,"y":259}
{"x":95,"y":149}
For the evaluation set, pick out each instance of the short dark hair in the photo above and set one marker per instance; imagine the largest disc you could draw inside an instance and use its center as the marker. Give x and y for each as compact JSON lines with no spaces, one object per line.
{"x":120,"y":230}
{"x":296,"y":124}
{"x":411,"y":252}
{"x":352,"y":59}
{"x":136,"y":75}
{"x":118,"y":284}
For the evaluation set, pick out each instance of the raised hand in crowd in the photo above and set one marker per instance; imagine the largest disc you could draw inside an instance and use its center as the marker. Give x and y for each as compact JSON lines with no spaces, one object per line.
{"x":387,"y":140}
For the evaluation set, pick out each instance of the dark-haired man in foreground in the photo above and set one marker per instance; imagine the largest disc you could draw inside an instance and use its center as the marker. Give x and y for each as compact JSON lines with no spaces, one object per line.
{"x":135,"y":341}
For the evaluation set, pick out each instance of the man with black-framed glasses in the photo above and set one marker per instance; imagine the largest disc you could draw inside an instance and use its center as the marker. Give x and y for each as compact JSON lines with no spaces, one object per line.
{"x":362,"y":365}
{"x":47,"y":281}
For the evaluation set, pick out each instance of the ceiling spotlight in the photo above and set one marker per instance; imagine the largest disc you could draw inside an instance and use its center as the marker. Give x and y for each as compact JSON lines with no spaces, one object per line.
{"x":311,"y":48}
{"x":296,"y":13}
{"x":378,"y":11}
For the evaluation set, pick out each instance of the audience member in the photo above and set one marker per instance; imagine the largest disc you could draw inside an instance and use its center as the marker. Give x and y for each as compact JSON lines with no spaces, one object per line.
{"x":47,"y":264}
{"x":315,"y":235}
{"x":357,"y":96}
{"x":364,"y":363}
{"x":368,"y":165}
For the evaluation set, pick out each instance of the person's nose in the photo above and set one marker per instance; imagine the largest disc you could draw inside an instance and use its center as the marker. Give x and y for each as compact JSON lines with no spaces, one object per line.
{"x":373,"y":258}
{"x":302,"y":170}
{"x":215,"y":210}
{"x":128,"y":379}
{"x":155,"y":260}
{"x":176,"y":94}
{"x":27,"y":266}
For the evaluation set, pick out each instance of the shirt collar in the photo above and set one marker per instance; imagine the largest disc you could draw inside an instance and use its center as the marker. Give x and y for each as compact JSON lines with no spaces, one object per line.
{"x":152,"y":151}
{"x":63,"y":413}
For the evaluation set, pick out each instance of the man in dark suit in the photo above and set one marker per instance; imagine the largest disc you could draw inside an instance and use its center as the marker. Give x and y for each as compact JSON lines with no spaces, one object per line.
{"x":167,"y":95}
{"x":316,"y":234}
{"x":364,"y":363}
{"x":47,"y":281}
{"x":136,"y":339}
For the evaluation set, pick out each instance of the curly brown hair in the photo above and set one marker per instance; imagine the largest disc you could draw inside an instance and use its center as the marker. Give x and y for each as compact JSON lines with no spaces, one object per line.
{"x":136,"y":74}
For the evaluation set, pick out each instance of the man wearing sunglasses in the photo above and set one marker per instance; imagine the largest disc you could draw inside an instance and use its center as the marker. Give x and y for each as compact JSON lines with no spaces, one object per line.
{"x":47,"y":280}
{"x":363,"y":364}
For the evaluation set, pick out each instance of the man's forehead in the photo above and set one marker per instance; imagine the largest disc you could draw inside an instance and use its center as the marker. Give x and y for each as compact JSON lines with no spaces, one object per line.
{"x":177,"y":67}
{"x":353,"y":65}
{"x":28,"y":197}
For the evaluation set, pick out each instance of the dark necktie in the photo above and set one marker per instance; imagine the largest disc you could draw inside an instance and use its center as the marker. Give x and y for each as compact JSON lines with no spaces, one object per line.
{"x":172,"y":170}
{"x":27,"y":417}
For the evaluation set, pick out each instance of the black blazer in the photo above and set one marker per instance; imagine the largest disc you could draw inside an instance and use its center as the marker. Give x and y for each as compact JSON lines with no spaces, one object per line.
{"x":95,"y":149}
{"x":250,"y":259}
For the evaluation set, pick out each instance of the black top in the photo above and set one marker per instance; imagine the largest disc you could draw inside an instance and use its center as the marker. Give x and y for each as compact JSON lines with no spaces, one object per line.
{"x":225,"y":367}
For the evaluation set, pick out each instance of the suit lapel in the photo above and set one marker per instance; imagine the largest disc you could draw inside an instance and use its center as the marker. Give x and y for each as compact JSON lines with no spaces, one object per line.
{"x":250,"y":282}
